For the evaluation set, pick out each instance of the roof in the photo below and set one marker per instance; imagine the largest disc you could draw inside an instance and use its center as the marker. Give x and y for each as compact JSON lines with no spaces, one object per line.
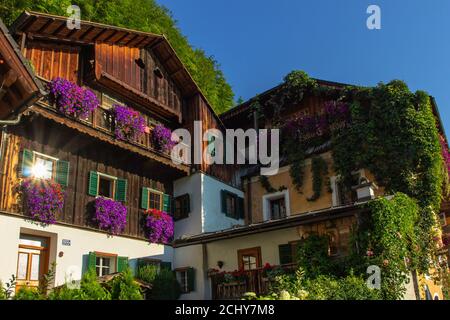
{"x":52,"y":27}
{"x":20,"y":88}
{"x":289,"y":222}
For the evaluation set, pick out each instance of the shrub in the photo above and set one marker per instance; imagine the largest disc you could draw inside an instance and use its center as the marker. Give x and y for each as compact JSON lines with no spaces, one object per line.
{"x":91,"y":289}
{"x":28,"y":293}
{"x":147,"y":273}
{"x":110,"y":215}
{"x":165,"y":286}
{"x":123,"y":287}
{"x":64,"y":293}
{"x":313,"y":256}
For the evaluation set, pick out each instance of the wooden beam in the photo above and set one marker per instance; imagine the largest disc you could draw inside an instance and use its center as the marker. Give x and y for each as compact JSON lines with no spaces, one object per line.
{"x":84,"y":34}
{"x":45,"y":26}
{"x":99,"y":35}
{"x":60,"y":28}
{"x":131,"y":40}
{"x":9,"y":79}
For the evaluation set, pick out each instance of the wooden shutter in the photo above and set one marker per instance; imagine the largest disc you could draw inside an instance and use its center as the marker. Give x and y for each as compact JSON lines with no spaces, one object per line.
{"x":93,"y":184}
{"x":240,"y":208}
{"x":27,"y":162}
{"x":186,"y":205}
{"x":122,"y":263}
{"x":285,"y":252}
{"x":223,"y":198}
{"x":165,"y":265}
{"x":167,"y":203}
{"x":144,"y":198}
{"x":92,"y":259}
{"x":191,"y":279}
{"x":121,"y":190}
{"x":62,"y":173}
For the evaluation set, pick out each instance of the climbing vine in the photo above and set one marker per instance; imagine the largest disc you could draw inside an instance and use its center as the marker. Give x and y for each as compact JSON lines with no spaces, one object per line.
{"x":268,"y":186}
{"x":319,"y":169}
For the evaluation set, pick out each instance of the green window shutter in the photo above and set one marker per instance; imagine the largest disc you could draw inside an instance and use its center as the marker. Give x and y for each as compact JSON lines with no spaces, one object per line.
{"x":223,"y":198}
{"x":62,"y":172}
{"x":93,"y":184}
{"x":167,"y":203}
{"x":27,"y":162}
{"x":92,"y":258}
{"x":144,"y":198}
{"x":165,"y":265}
{"x":240,"y":208}
{"x":122,"y":263}
{"x":191,"y":279}
{"x":285,"y":251}
{"x":121,"y":190}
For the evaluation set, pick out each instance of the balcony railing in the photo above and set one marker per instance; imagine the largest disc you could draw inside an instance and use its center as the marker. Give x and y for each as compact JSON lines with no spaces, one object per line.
{"x":256,"y":281}
{"x":103,"y":121}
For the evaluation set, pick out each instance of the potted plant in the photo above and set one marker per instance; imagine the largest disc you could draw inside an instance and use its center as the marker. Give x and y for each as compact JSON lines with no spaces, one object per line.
{"x":44,"y":199}
{"x":71,"y":99}
{"x":129,"y":123}
{"x":110,"y":215}
{"x":158,"y":226}
{"x":162,"y":138}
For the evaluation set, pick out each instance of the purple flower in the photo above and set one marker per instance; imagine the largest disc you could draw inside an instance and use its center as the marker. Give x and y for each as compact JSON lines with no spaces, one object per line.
{"x":71,"y":99}
{"x":130,"y":125}
{"x":445,"y":153}
{"x":162,"y":138}
{"x":44,"y":199}
{"x":159,"y":226}
{"x":110,"y":215}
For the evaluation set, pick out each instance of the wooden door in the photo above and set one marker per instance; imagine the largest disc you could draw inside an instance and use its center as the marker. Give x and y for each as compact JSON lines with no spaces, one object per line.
{"x":249,"y":259}
{"x":32,"y":264}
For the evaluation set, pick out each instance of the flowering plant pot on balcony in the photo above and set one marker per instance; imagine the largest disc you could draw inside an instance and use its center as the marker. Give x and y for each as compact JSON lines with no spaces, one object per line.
{"x":158,"y":226}
{"x":162,"y":138}
{"x":129,"y":124}
{"x":71,"y":99}
{"x":110,"y":215}
{"x":43,"y":199}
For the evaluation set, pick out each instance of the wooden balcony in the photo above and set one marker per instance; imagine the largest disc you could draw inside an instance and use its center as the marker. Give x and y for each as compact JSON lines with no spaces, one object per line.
{"x":100,"y":124}
{"x":252,"y":281}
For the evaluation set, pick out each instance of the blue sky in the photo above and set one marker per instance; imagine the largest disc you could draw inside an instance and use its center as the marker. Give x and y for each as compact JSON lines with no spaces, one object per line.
{"x":257,"y":42}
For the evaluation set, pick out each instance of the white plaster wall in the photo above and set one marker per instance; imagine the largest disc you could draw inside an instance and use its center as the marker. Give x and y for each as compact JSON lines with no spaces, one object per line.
{"x":213,"y":218}
{"x":226,"y":250}
{"x":192,"y":225}
{"x":82,"y":242}
{"x":192,"y":256}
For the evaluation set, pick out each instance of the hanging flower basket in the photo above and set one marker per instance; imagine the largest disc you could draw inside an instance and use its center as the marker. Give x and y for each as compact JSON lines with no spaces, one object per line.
{"x":162,"y":138}
{"x":130,"y":125}
{"x":44,"y":199}
{"x":158,"y":226}
{"x":110,"y":215}
{"x":71,"y":99}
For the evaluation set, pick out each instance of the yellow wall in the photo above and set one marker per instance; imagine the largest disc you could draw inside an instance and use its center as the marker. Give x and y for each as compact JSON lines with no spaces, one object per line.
{"x":298,"y":199}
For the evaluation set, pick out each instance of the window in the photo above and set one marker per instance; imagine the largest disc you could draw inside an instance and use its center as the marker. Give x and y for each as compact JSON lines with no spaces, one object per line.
{"x":107,"y":186}
{"x":277,"y":209}
{"x":276,"y":205}
{"x":104,"y":265}
{"x":249,"y":259}
{"x":41,"y":166}
{"x":341,"y":194}
{"x":232,"y":205}
{"x":154,"y":200}
{"x":105,"y":119}
{"x":186,"y":279}
{"x":181,"y":207}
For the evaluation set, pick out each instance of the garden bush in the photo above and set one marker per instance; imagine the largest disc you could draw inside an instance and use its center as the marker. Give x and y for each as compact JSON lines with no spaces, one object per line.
{"x":147,"y":273}
{"x":124,"y":287}
{"x":165,"y":286}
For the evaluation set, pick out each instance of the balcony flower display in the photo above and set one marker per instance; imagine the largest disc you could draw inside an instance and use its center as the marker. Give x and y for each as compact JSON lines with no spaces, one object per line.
{"x":162,"y":138}
{"x":445,"y":153}
{"x":110,"y":215}
{"x":72,"y":99}
{"x":159,"y":226}
{"x":130,"y":125}
{"x":44,"y":199}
